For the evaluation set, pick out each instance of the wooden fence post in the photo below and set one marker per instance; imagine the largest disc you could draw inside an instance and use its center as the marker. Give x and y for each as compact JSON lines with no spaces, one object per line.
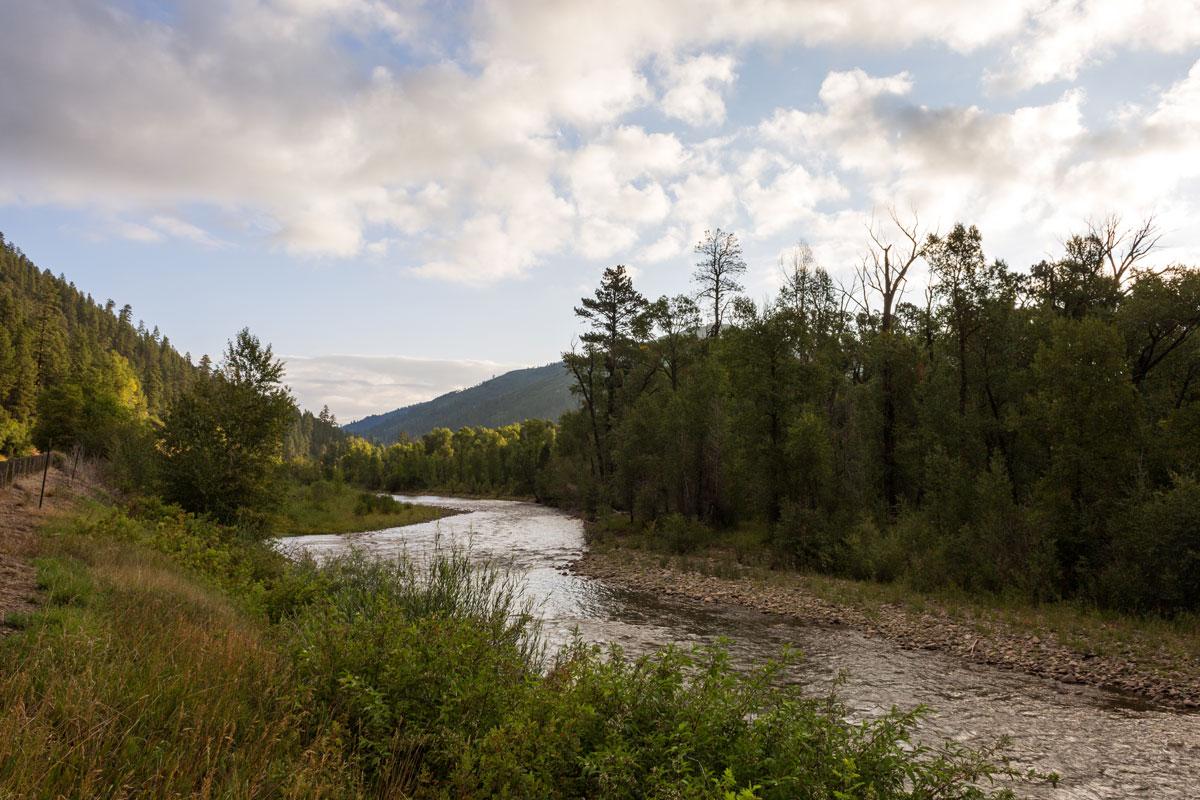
{"x":45,"y":471}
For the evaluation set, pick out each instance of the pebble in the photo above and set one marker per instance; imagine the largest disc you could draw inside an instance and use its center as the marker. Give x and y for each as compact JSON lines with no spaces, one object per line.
{"x":1032,"y":654}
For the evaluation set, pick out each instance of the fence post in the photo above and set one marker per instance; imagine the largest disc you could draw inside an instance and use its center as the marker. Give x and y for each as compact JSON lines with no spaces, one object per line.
{"x":75,"y":465}
{"x":45,"y":471}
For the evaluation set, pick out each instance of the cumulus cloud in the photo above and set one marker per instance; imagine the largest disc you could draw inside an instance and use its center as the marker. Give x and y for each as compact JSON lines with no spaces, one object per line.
{"x":1064,"y":37}
{"x":354,"y":386}
{"x":695,"y":84}
{"x":1026,"y":176}
{"x":478,"y":144}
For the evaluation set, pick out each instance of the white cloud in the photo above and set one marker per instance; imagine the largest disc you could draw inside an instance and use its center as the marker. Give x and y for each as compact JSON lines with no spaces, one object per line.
{"x":1066,"y":36}
{"x":1027,"y":176}
{"x":179,"y":229}
{"x":138,"y":233}
{"x":790,"y":193}
{"x":695,"y":85}
{"x":500,"y":138}
{"x":354,"y":386}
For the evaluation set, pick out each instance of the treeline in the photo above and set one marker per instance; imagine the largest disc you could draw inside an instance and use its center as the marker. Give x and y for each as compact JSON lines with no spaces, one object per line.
{"x":73,"y":364}
{"x":1030,"y":433}
{"x":510,"y":460}
{"x":1033,"y":433}
{"x":74,"y":372}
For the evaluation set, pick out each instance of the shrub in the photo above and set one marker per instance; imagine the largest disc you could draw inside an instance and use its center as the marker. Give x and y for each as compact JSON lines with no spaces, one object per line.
{"x":370,"y":503}
{"x":678,"y":534}
{"x":1155,"y":565}
{"x":396,"y":678}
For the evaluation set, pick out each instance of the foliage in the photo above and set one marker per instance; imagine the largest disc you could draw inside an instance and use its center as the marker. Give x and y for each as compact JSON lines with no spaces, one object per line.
{"x":178,"y":657}
{"x":73,"y":370}
{"x":1013,"y":434}
{"x":508,"y":461}
{"x":222,"y":441}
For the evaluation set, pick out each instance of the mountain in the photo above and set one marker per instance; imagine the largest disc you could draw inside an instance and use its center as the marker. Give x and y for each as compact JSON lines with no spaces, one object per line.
{"x":533,"y":393}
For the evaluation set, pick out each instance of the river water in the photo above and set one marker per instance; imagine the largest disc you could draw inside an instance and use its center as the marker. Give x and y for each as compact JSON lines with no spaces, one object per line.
{"x":1101,"y":745}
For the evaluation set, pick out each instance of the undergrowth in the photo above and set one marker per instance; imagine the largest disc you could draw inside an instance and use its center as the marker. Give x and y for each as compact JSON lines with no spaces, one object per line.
{"x":174,"y":657}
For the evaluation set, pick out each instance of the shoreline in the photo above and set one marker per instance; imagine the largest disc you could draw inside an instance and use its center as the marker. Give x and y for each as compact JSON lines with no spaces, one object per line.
{"x":969,"y":637}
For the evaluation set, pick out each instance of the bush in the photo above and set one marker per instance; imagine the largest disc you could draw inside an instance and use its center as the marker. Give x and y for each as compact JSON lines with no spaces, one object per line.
{"x":680,"y":535}
{"x":805,"y":537}
{"x":434,"y":670}
{"x":370,"y":503}
{"x":398,"y":679}
{"x":1155,"y":565}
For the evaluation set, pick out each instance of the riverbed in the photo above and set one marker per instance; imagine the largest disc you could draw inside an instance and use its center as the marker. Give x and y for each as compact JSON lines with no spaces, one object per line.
{"x":1101,"y":745}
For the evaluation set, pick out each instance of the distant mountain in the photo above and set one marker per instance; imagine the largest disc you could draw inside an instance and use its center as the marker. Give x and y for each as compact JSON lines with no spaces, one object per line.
{"x":534,"y":393}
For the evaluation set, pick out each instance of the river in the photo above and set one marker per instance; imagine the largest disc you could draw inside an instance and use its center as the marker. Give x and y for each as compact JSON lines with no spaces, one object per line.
{"x":1101,"y":745}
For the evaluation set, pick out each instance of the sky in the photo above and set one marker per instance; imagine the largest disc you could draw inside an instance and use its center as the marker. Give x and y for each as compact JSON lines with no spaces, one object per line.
{"x":408,"y":197}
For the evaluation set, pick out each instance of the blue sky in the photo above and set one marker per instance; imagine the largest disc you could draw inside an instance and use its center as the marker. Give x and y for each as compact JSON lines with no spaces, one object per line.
{"x":408,"y":197}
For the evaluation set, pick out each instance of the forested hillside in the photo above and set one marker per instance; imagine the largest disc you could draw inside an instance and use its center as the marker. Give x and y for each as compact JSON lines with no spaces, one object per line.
{"x":59,"y":347}
{"x":534,"y":393}
{"x":74,"y":370}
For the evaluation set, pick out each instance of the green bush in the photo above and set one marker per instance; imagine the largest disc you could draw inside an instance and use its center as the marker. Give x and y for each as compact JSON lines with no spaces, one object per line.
{"x":1156,"y":553}
{"x":415,"y":679}
{"x":678,"y":534}
{"x":371,"y":503}
{"x":435,"y":672}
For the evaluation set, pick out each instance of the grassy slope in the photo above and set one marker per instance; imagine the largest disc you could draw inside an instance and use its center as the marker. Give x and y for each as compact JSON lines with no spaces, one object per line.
{"x":175,"y":658}
{"x":136,"y":679}
{"x":325,"y":507}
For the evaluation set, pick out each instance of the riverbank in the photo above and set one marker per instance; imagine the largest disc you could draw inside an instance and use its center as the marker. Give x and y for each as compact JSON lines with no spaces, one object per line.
{"x":326,"y":507}
{"x":1153,"y":661}
{"x":172,"y":656}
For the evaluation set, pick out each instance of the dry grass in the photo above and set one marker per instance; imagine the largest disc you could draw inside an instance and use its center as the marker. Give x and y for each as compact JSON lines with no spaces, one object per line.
{"x":135,"y":681}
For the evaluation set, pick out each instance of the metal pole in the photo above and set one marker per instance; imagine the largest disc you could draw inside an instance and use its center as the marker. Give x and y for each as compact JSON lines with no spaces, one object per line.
{"x":45,"y":470}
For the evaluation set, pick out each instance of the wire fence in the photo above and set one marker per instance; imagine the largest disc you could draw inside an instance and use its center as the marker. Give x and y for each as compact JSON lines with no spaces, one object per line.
{"x":14,"y":469}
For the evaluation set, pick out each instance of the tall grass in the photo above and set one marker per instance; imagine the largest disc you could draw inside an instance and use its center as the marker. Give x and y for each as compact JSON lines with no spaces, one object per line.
{"x":149,"y":673}
{"x":136,"y":681}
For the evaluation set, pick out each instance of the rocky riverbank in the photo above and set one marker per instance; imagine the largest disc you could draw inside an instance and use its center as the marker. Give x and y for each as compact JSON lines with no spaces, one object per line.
{"x":1167,"y":683}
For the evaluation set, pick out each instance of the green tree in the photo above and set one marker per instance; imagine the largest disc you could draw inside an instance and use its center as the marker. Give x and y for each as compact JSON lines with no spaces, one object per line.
{"x":223,"y":439}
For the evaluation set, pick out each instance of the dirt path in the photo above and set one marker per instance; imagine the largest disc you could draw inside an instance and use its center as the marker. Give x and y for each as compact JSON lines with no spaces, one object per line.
{"x":20,"y":519}
{"x":1168,"y":682}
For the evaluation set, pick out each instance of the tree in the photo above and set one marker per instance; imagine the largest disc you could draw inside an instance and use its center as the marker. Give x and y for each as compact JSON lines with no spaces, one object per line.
{"x":1124,"y":248}
{"x":677,"y":320}
{"x":885,"y":270}
{"x":617,"y":321}
{"x":717,"y":272}
{"x":222,"y":440}
{"x":957,"y":264}
{"x":1076,"y":285}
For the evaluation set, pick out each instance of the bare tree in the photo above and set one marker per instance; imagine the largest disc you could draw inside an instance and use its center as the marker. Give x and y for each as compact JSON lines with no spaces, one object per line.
{"x":717,"y":272}
{"x":884,"y":270}
{"x":1123,"y":248}
{"x":887,"y":264}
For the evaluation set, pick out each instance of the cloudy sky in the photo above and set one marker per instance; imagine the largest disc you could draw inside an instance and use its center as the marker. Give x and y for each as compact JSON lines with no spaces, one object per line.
{"x":406,"y":197}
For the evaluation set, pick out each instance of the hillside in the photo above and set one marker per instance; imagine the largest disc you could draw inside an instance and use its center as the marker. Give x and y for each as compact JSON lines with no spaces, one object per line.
{"x":64,"y":355}
{"x":58,"y":344}
{"x":533,"y":393}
